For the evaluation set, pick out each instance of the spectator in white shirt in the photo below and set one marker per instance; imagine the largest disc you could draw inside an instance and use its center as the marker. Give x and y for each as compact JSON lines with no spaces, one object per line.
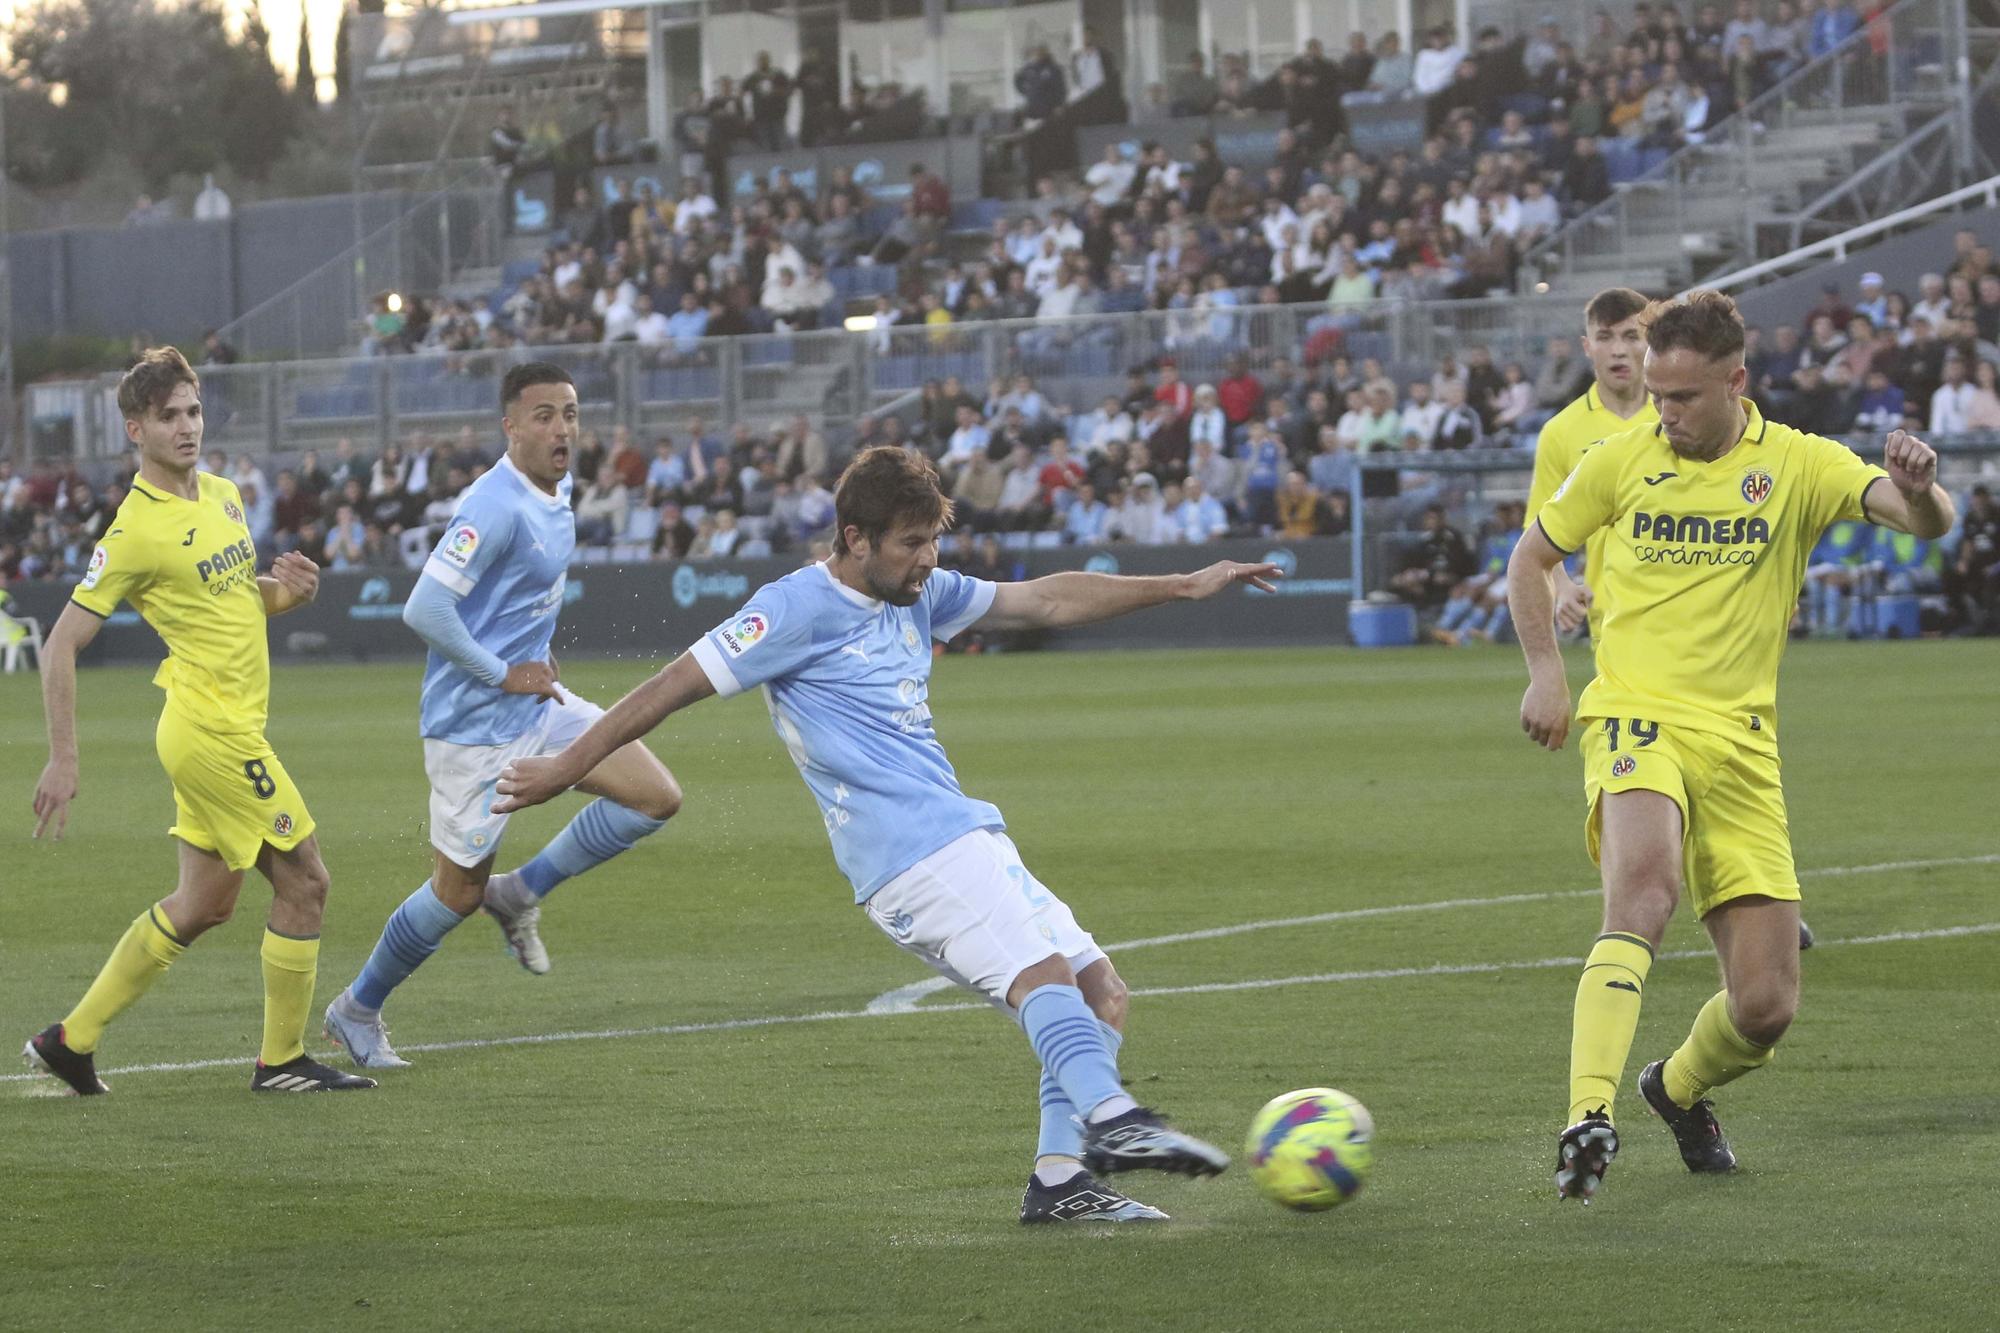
{"x":211,"y":205}
{"x":651,"y":328}
{"x":620,"y":313}
{"x":1068,"y":236}
{"x":1044,"y":271}
{"x":1931,"y":304}
{"x":1207,"y":424}
{"x":1111,"y":180}
{"x":1953,"y":399}
{"x":1200,"y":516}
{"x":1461,"y":208}
{"x":693,"y":207}
{"x":1539,"y":212}
{"x":1278,"y":217}
{"x":1109,"y":424}
{"x":970,"y":438}
{"x":1436,"y":63}
{"x":1420,"y":414}
{"x":1138,"y":519}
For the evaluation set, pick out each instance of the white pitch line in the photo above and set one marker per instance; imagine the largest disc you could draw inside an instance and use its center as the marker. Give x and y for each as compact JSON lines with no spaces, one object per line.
{"x":1205,"y":988}
{"x":904,"y":998}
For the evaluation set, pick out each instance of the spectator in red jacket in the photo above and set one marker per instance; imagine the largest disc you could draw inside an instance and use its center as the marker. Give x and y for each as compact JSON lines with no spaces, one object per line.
{"x":1174,"y":391}
{"x":1060,"y":473}
{"x":1241,"y":394}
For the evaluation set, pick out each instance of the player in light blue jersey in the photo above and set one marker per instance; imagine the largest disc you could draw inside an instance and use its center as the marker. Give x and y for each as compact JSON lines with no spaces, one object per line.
{"x":843,"y":653}
{"x":487,"y":604}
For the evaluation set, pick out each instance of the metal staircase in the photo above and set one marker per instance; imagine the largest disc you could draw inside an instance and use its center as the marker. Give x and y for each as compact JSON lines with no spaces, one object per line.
{"x":1855,"y":114}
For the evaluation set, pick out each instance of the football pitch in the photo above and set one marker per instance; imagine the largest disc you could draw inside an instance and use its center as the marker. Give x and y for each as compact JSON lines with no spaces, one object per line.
{"x":1328,"y":867}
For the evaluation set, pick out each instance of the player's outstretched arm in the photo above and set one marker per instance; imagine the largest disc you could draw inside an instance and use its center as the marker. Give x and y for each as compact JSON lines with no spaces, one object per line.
{"x":73,"y":631}
{"x":527,"y":782}
{"x":1531,"y":599}
{"x":292,"y":582}
{"x":1078,"y":598}
{"x":1913,"y":502}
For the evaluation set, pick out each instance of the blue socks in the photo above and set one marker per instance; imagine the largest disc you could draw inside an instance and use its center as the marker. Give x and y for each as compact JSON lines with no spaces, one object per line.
{"x":600,"y":831}
{"x":413,"y":934}
{"x":1071,"y":1045}
{"x":1062,"y":1134}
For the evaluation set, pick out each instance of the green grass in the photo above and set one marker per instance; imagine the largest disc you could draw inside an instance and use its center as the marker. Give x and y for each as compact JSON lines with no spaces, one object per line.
{"x":862,"y":1173}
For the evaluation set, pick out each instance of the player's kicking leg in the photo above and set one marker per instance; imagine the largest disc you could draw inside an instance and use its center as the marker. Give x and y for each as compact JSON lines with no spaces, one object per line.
{"x":1060,"y":1188}
{"x":973,"y":912}
{"x":637,"y":796}
{"x":1736,"y":1030}
{"x":1640,"y":856}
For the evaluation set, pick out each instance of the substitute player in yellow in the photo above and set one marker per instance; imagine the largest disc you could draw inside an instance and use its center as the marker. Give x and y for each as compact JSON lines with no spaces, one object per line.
{"x":1708,"y":518}
{"x":1616,"y":400}
{"x":179,"y":552}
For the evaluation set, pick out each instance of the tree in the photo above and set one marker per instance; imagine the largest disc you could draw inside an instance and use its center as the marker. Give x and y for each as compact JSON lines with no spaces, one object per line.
{"x":305,"y":85}
{"x":343,"y":63}
{"x":166,"y":88}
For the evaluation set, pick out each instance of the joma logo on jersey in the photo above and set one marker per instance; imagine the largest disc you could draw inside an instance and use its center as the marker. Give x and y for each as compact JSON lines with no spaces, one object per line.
{"x":1756,"y":485}
{"x":1737,"y":531}
{"x":228,"y":558}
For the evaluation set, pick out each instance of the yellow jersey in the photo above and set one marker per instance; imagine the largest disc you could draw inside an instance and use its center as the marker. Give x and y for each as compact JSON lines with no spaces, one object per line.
{"x":189,"y":569}
{"x":1703,"y":563}
{"x":1560,"y":447}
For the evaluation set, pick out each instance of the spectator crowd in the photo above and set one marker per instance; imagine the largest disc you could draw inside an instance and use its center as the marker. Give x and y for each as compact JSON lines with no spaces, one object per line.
{"x":1519,"y":136}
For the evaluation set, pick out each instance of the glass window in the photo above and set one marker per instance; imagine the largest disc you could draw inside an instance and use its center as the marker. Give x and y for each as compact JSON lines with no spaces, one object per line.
{"x":1275,"y":33}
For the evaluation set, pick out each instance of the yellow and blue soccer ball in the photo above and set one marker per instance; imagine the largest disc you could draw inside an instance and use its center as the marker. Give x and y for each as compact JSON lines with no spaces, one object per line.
{"x":1311,"y":1150}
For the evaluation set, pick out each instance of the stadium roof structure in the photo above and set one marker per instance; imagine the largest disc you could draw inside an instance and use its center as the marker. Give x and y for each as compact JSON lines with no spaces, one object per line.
{"x":555,"y":9}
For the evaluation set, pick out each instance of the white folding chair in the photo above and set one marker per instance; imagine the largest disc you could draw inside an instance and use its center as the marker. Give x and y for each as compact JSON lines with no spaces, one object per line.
{"x":17,"y":646}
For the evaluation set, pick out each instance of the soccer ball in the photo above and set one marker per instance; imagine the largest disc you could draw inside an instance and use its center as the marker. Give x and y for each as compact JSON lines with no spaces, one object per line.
{"x":1310,"y":1150}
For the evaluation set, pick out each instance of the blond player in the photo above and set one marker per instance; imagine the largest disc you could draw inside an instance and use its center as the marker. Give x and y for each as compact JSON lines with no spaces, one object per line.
{"x":1708,"y":518}
{"x":179,"y":552}
{"x":1616,"y":401}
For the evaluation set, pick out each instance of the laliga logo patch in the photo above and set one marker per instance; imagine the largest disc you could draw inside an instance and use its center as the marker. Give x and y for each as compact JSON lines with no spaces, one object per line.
{"x":460,"y":545}
{"x":282,"y":825}
{"x":232,"y":512}
{"x":1622,"y":767}
{"x":1756,"y":485}
{"x":744,"y":635}
{"x":97,"y":562}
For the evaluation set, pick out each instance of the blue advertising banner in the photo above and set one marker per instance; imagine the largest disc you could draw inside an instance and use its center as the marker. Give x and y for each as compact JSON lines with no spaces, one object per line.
{"x":652,"y":612}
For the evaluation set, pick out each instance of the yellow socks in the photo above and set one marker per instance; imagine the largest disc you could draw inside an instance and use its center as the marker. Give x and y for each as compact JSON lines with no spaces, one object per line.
{"x":290,"y":966}
{"x":1715,"y":1053}
{"x":1607,"y":1014}
{"x":147,"y":949}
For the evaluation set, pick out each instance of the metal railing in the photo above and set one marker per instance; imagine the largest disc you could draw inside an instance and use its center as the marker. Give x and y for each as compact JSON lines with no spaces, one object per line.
{"x":1984,"y":193}
{"x":1701,"y":207}
{"x":830,"y":376}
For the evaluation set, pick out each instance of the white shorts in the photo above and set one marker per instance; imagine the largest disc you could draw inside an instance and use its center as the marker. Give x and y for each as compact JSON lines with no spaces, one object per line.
{"x":463,"y":825}
{"x":972,"y":911}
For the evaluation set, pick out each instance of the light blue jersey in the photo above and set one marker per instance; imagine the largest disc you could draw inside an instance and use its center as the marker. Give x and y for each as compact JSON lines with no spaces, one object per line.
{"x":848,"y":680}
{"x":506,"y":554}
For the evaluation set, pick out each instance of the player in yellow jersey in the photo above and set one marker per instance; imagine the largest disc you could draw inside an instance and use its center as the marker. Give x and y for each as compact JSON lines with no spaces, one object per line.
{"x":179,"y":552}
{"x":1708,"y":518}
{"x":1615,"y":401}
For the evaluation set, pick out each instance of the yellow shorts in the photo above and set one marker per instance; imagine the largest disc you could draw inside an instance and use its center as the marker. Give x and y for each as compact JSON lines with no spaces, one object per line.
{"x":1735,"y":841}
{"x":231,"y":795}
